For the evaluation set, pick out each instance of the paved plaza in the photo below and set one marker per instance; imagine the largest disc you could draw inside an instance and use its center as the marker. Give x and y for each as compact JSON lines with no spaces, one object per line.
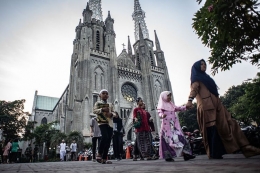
{"x":230,"y":163}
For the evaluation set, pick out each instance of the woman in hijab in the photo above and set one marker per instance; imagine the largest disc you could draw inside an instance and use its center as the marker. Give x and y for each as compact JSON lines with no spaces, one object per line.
{"x":142,"y":131}
{"x":221,"y":134}
{"x":172,"y":140}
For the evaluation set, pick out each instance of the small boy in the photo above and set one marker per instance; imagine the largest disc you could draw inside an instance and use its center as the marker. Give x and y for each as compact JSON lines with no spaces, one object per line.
{"x":105,"y":114}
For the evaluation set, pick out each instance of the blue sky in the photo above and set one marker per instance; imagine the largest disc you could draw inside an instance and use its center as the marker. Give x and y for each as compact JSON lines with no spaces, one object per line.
{"x":36,"y":44}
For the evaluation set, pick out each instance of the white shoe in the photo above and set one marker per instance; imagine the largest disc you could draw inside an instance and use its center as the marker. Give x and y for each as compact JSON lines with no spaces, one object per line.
{"x":94,"y":160}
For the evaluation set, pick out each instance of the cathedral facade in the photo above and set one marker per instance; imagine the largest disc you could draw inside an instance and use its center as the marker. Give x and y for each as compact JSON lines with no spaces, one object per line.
{"x":138,"y":71}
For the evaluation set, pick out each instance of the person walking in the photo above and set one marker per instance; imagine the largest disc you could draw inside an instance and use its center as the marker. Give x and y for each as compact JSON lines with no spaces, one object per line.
{"x":172,"y":140}
{"x":142,"y":130}
{"x":105,"y":113}
{"x":73,"y":150}
{"x":35,"y":153}
{"x":154,"y":153}
{"x":118,"y":134}
{"x":221,"y":134}
{"x":62,"y":150}
{"x":96,"y":136}
{"x":28,"y":153}
{"x":14,"y":151}
{"x":7,"y":148}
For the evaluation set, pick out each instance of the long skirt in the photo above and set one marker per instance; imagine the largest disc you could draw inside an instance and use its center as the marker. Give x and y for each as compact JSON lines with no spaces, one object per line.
{"x":143,"y":140}
{"x":168,"y":151}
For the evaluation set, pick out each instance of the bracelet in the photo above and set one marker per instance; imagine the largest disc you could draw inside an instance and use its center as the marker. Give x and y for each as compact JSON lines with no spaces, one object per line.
{"x":190,"y":99}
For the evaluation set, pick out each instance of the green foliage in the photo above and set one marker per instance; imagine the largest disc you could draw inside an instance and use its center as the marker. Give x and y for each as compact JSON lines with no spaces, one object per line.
{"x":13,"y":118}
{"x":247,"y":108}
{"x":232,"y":95}
{"x":231,"y":29}
{"x":77,"y":136}
{"x":189,"y":118}
{"x":56,"y":138}
{"x":28,"y":132}
{"x":46,"y":133}
{"x":87,"y":145}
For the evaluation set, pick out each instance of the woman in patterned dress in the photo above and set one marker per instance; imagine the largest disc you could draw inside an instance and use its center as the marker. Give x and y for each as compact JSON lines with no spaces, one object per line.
{"x":172,"y":140}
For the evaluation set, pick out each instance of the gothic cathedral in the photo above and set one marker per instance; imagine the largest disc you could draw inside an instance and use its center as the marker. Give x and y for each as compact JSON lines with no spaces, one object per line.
{"x":139,"y":71}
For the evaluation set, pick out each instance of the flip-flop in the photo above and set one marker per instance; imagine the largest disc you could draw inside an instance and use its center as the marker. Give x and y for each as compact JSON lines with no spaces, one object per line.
{"x":99,"y":159}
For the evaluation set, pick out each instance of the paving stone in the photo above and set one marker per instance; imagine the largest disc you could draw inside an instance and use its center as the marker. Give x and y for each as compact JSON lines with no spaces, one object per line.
{"x":230,"y":163}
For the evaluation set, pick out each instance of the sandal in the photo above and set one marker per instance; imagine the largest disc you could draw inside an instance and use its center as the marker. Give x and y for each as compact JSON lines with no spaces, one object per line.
{"x":98,"y":158}
{"x":106,"y":162}
{"x":148,"y":158}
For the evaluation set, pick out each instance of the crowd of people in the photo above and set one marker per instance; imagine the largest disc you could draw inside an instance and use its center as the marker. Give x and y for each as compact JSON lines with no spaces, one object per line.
{"x":221,"y":134}
{"x":10,"y":152}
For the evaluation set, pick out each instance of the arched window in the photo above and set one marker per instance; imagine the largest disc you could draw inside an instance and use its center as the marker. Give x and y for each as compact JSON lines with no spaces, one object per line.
{"x":44,"y":120}
{"x":151,"y":57}
{"x":97,"y":40}
{"x":138,"y":61}
{"x":129,"y":92}
{"x":102,"y":81}
{"x":95,"y":98}
{"x":95,"y":82}
{"x":158,"y":89}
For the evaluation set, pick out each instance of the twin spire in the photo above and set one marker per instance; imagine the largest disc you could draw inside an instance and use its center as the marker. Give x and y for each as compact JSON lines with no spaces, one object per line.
{"x":138,"y":16}
{"x":95,"y":6}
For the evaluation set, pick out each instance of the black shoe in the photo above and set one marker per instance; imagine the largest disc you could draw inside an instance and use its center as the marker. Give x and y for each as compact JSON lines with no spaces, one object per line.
{"x":169,"y":160}
{"x":220,"y":157}
{"x":188,"y":157}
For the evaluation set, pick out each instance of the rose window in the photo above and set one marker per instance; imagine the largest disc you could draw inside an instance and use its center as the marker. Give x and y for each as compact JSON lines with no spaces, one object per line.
{"x":129,"y":92}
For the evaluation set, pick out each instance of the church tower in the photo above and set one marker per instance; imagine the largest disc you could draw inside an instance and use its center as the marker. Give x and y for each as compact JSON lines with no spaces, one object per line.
{"x":143,"y":73}
{"x":138,"y":71}
{"x":91,"y":66}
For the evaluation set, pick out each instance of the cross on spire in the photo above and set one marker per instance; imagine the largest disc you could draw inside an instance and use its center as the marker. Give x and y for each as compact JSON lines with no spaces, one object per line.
{"x":123,"y":46}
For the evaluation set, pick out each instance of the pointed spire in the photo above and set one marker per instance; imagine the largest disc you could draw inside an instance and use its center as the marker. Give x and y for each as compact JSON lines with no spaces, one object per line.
{"x":129,"y":47}
{"x":95,"y":6}
{"x":141,"y":36}
{"x":87,"y":6}
{"x":137,"y":6}
{"x":138,"y":16}
{"x":109,"y":16}
{"x":79,"y":21}
{"x":157,"y":43}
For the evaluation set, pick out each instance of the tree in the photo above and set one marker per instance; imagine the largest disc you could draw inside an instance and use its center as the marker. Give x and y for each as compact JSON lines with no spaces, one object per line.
{"x":231,"y":29}
{"x":232,"y":95}
{"x":189,"y":118}
{"x":46,"y":133}
{"x":28,"y":134}
{"x":248,"y":106}
{"x":13,"y":118}
{"x":77,"y":136}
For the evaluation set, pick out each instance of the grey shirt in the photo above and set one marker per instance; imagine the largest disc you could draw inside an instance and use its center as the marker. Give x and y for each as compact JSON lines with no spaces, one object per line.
{"x":96,"y":129}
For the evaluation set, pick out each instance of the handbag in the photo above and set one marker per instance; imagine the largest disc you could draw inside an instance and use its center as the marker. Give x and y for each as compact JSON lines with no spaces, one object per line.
{"x":137,"y":124}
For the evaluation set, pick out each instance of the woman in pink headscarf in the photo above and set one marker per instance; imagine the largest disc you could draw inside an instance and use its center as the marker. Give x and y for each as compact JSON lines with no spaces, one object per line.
{"x":172,"y":140}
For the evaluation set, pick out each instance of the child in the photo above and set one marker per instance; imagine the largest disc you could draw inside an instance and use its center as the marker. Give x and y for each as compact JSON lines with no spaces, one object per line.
{"x":172,"y":140}
{"x":105,"y":114}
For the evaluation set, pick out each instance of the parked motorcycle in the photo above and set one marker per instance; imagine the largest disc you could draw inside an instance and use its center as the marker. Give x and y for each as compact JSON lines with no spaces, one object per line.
{"x":253,"y":134}
{"x":195,"y":140}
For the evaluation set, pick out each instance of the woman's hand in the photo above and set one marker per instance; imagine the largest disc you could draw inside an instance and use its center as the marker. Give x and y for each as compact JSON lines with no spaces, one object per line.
{"x":189,"y":105}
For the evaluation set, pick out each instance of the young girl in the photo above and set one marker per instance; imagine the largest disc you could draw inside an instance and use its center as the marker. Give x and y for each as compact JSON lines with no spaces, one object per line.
{"x":172,"y":140}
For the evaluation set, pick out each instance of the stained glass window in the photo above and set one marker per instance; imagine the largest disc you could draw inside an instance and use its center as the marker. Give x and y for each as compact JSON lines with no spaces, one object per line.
{"x":129,"y":92}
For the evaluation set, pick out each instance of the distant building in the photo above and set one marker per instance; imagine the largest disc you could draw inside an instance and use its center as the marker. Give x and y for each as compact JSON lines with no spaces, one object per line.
{"x":138,"y":71}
